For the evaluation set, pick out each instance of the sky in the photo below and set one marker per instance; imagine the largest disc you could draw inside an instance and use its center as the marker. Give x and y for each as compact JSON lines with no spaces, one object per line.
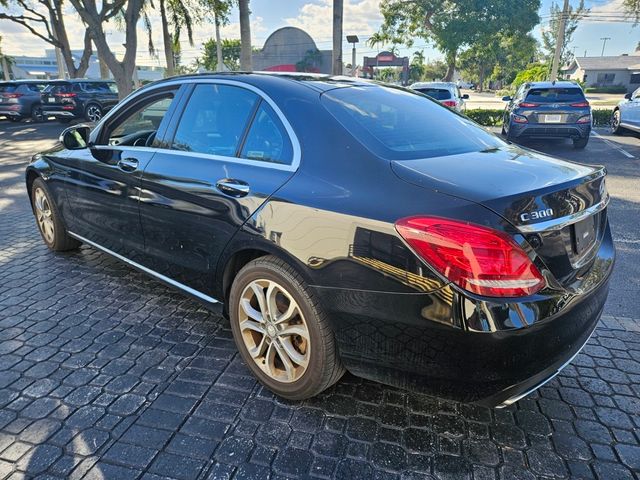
{"x":361,"y":17}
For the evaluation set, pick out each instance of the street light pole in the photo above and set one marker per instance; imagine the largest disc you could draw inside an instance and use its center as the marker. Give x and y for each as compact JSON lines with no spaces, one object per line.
{"x":604,"y":43}
{"x":353,"y":39}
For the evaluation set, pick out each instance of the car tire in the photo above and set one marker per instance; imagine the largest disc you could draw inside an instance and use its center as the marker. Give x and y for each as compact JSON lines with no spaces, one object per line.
{"x":616,"y":129}
{"x":48,"y":218}
{"x":580,"y":143}
{"x":93,"y":112}
{"x":296,"y":357}
{"x":36,"y":114}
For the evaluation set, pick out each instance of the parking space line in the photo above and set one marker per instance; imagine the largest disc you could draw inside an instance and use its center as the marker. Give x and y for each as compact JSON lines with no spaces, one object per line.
{"x":611,"y":144}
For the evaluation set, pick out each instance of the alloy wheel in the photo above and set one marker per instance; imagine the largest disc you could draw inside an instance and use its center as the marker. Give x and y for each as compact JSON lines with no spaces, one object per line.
{"x":44,"y":215}
{"x":274,"y":330}
{"x":94,"y":113}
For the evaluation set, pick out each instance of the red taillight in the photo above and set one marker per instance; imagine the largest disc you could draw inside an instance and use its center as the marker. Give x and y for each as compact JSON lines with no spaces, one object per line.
{"x":476,"y":258}
{"x":65,"y":95}
{"x":519,"y":119}
{"x":449,"y":103}
{"x":528,"y":104}
{"x":12,"y":95}
{"x":580,"y":104}
{"x":584,"y":119}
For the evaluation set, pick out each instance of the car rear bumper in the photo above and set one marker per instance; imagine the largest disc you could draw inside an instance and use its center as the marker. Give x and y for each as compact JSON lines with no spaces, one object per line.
{"x":58,"y":112}
{"x":486,"y":352}
{"x":540,"y":130}
{"x":11,"y":112}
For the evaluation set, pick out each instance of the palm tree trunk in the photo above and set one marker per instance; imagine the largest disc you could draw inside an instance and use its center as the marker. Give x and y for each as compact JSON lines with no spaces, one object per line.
{"x":219,"y":63}
{"x":337,"y":37}
{"x":245,"y":36}
{"x":166,"y":38}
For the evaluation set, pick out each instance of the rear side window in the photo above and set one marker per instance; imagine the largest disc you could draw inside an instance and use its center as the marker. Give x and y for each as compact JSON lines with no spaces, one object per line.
{"x":267,"y":139}
{"x":436,"y":93}
{"x":58,"y":88}
{"x":555,"y":95}
{"x":96,"y":87}
{"x":398,"y":124}
{"x":214,"y":120}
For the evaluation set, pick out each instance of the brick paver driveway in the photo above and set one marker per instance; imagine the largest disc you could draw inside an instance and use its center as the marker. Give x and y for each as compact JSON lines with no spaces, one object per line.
{"x":105,"y":373}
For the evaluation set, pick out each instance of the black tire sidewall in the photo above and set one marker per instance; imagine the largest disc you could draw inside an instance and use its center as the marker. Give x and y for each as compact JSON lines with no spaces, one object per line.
{"x":308,"y":383}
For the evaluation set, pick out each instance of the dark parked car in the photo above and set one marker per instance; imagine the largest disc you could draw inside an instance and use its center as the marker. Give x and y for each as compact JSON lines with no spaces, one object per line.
{"x":548,"y":110}
{"x":85,"y":99}
{"x":20,"y":99}
{"x":343,"y":224}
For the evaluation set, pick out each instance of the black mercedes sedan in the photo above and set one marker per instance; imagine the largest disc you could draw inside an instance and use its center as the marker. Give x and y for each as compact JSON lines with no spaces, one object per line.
{"x":344,"y":225}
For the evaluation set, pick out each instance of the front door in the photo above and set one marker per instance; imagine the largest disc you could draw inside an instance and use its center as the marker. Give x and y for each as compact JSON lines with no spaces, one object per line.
{"x":105,"y":179}
{"x":229,"y":153}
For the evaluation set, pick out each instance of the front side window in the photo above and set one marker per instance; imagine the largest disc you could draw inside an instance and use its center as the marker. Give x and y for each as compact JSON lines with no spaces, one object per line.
{"x":267,"y":139}
{"x":215,"y":119}
{"x":398,"y":124}
{"x":139,"y":126}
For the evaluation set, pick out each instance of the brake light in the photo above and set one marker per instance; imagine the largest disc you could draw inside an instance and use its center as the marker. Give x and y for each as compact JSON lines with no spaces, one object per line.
{"x":519,"y":119}
{"x":65,"y":95}
{"x":580,"y":104}
{"x":449,"y":103}
{"x":584,"y":119}
{"x":528,"y":105}
{"x":12,"y":95}
{"x":476,"y":258}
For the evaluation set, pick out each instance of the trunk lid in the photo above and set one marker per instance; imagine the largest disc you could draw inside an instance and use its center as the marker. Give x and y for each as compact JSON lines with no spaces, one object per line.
{"x":558,"y":206}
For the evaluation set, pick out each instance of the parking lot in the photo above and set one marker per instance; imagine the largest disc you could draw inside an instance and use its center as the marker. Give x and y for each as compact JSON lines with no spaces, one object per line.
{"x":108,"y":374}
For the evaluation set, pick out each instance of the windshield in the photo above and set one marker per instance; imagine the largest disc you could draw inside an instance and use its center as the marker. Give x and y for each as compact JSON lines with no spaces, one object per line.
{"x":555,"y":95}
{"x":399,"y":124}
{"x":437,"y":93}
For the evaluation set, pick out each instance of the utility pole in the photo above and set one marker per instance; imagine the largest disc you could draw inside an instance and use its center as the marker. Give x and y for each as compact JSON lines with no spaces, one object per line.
{"x":604,"y":43}
{"x":353,"y":39}
{"x":336,"y":60}
{"x":559,"y":41}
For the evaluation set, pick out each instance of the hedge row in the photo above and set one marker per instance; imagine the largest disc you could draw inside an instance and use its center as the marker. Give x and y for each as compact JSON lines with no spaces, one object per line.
{"x":611,"y":89}
{"x":493,"y":117}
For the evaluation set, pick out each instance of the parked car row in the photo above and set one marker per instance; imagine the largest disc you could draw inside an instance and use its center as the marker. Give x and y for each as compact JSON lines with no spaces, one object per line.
{"x":64,"y":100}
{"x":626,"y":115}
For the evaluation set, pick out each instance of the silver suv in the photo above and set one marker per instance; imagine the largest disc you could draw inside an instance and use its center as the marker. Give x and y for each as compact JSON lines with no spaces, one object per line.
{"x":20,"y":99}
{"x":447,"y":93}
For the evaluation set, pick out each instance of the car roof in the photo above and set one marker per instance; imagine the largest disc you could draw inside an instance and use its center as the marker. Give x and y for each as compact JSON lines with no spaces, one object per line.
{"x":447,"y":85}
{"x":317,"y":81}
{"x":78,"y":80}
{"x":560,"y":84}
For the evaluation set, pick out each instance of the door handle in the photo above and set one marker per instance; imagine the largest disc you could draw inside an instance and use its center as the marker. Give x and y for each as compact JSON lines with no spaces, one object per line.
{"x":232,"y":187}
{"x":128,"y":164}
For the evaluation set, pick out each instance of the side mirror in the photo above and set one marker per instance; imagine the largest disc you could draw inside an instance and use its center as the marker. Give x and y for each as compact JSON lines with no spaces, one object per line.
{"x":628,"y":96}
{"x":76,"y":137}
{"x":465,"y":96}
{"x":506,"y":99}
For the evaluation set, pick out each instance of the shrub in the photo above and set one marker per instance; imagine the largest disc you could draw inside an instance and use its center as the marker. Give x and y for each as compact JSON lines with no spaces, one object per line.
{"x":493,"y":117}
{"x":611,"y":89}
{"x":486,"y":117}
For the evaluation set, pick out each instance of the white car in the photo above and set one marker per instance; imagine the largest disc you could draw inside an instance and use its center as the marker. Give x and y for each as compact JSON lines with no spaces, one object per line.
{"x":626,"y":115}
{"x":447,"y":93}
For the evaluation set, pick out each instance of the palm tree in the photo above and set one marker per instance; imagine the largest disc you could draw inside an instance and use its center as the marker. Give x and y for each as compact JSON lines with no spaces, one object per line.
{"x":176,"y":13}
{"x":338,"y":8}
{"x":220,"y":10}
{"x":245,"y":36}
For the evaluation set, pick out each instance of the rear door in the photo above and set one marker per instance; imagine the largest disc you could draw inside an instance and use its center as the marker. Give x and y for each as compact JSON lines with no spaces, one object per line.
{"x":631,"y":111}
{"x":231,"y":149}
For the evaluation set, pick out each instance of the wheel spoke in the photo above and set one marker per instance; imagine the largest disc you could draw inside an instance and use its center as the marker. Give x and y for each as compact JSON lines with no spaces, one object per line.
{"x":258,"y":291}
{"x":292,"y":353}
{"x":294,"y":330}
{"x":291,"y":312}
{"x":286,"y":361}
{"x":272,"y":308}
{"x":250,"y":311}
{"x":251,"y":325}
{"x":258,"y":350}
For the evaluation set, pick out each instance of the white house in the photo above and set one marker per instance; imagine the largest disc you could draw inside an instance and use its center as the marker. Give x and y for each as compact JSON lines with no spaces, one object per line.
{"x":605,"y":71}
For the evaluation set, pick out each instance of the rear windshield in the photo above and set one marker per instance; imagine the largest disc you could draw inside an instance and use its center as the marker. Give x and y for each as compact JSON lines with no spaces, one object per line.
{"x":8,"y":87}
{"x":555,"y":95}
{"x":58,"y":88}
{"x":436,"y":93}
{"x":399,"y":124}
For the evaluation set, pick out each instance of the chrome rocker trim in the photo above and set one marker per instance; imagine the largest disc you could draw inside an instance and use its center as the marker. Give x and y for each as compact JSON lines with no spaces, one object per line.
{"x":153,"y":273}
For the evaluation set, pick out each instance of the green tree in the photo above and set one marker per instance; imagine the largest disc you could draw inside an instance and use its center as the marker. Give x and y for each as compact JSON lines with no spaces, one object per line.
{"x":434,"y":70}
{"x":632,"y":9}
{"x":311,"y":62}
{"x":453,"y":24}
{"x":534,"y":73}
{"x":416,"y":67}
{"x":220,"y":10}
{"x":230,"y":50}
{"x":571,"y":24}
